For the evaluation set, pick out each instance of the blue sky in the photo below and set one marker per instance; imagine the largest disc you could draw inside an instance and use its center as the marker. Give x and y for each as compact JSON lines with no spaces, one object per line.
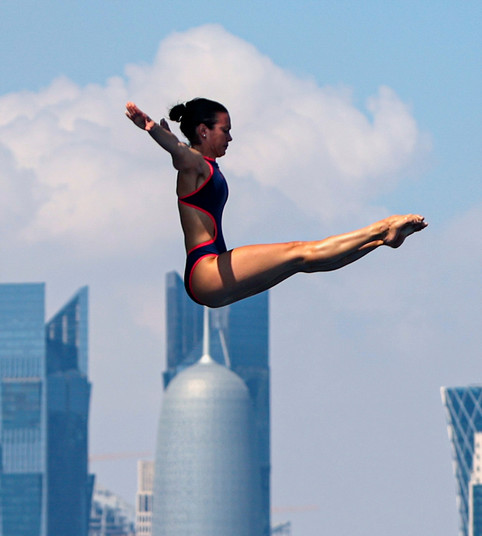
{"x":357,"y":356}
{"x":429,"y":51}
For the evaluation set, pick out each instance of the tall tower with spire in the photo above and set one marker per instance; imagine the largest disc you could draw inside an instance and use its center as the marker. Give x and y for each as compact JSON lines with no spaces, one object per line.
{"x":239,"y":339}
{"x":207,"y":480}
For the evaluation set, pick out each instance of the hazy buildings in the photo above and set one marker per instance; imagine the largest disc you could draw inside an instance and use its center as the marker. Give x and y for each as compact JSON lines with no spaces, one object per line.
{"x":145,"y":486}
{"x":464,"y":417}
{"x":238,"y":337}
{"x":44,"y":402}
{"x":284,"y":529}
{"x":110,"y":515}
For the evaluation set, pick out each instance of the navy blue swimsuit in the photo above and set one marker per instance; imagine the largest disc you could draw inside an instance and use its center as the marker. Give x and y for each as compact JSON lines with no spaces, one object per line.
{"x":210,"y":199}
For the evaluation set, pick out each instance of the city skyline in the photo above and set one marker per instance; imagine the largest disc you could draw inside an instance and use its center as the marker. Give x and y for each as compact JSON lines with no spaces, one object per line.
{"x":45,"y":488}
{"x":342,"y":113}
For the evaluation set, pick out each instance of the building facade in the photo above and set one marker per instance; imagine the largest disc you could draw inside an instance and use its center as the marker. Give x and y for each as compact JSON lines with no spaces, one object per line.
{"x":69,"y":487}
{"x":145,"y":486}
{"x":23,"y":411}
{"x":110,"y":515}
{"x":475,"y":489}
{"x":44,"y":398}
{"x":239,"y":338}
{"x":464,"y":419}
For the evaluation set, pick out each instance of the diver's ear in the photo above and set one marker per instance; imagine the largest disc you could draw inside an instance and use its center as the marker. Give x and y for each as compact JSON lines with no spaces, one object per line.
{"x":202,"y":130}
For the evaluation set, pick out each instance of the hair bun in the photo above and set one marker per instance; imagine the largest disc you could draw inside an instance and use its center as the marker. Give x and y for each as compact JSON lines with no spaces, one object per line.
{"x":176,"y":112}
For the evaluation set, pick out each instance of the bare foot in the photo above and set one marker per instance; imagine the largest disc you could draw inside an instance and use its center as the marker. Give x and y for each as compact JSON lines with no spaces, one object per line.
{"x":399,"y":227}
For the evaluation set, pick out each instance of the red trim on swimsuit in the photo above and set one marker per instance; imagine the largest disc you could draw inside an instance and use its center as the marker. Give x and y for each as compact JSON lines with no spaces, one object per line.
{"x":209,"y":198}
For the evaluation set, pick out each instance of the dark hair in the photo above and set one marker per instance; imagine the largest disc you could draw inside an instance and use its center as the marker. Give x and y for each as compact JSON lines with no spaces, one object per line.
{"x":193,"y":113}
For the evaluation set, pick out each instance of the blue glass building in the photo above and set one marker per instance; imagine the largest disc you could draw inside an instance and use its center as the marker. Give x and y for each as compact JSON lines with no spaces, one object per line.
{"x":239,"y":338}
{"x":475,"y":519}
{"x":44,"y":399}
{"x":23,"y":423}
{"x":464,"y":418}
{"x":69,"y":487}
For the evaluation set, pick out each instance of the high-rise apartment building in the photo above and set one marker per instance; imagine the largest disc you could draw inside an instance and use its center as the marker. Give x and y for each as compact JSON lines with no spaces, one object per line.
{"x":44,"y":400}
{"x":464,"y":418}
{"x":239,"y":338}
{"x":145,"y":486}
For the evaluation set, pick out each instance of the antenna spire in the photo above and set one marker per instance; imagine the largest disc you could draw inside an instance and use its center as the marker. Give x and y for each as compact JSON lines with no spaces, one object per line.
{"x":206,"y":358}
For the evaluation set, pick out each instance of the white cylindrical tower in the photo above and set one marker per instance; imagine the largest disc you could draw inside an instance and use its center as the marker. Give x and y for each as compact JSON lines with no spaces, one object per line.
{"x":207,"y":480}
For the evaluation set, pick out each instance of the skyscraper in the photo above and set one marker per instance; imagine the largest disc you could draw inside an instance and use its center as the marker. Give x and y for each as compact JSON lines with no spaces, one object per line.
{"x":145,"y":486}
{"x":207,"y":480}
{"x":23,"y":410}
{"x":464,"y":418}
{"x":69,"y":487}
{"x":239,"y":338}
{"x":475,"y":489}
{"x":44,"y":397}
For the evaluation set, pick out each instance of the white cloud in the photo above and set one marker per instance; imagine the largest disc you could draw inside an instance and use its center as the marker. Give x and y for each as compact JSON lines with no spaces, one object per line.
{"x":16,"y":200}
{"x":103,"y":187}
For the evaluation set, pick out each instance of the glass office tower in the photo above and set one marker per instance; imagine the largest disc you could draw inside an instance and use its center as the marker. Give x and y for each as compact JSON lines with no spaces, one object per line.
{"x":44,"y":393}
{"x":23,"y":422}
{"x":239,"y":338}
{"x":69,"y":488}
{"x":464,"y":418}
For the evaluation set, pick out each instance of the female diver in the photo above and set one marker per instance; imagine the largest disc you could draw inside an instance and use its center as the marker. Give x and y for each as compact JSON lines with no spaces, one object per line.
{"x":215,"y":276}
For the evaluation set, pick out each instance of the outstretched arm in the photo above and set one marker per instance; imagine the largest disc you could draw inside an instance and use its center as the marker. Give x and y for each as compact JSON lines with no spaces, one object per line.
{"x":183,"y":157}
